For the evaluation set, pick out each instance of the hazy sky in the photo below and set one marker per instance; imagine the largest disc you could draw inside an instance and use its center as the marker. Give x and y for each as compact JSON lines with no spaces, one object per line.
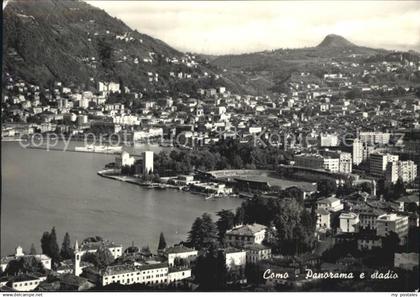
{"x":218,"y":27}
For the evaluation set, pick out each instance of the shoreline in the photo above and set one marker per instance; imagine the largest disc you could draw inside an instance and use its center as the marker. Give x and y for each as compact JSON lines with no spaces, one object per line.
{"x":156,"y":186}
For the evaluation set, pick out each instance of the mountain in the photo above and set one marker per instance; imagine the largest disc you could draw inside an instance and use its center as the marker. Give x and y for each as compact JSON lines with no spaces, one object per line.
{"x":265,"y":71}
{"x":333,"y":40}
{"x":78,"y":44}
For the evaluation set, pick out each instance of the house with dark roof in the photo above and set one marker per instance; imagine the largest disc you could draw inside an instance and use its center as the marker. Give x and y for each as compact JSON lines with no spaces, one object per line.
{"x":405,"y":201}
{"x":245,"y":234}
{"x":257,"y":252}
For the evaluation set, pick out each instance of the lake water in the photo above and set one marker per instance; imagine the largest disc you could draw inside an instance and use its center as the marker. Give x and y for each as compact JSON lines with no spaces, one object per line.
{"x":43,"y":189}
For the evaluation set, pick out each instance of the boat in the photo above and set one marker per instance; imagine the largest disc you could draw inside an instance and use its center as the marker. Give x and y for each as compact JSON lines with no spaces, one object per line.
{"x":99,"y":149}
{"x":211,"y":196}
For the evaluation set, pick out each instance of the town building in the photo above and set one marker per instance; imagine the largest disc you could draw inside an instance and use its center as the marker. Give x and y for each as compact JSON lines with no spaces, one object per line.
{"x":378,"y":163}
{"x":124,"y":160}
{"x":344,"y":160}
{"x":245,"y":234}
{"x":148,"y":162}
{"x":91,"y":247}
{"x":357,"y":152}
{"x":407,"y":171}
{"x":368,"y":241}
{"x":24,"y":282}
{"x":349,"y":222}
{"x":235,"y":258}
{"x":331,"y":204}
{"x":315,"y":161}
{"x":136,"y":274}
{"x":108,"y":87}
{"x":328,"y":140}
{"x":323,"y":219}
{"x":392,"y":222}
{"x":179,"y":252}
{"x":256,"y":253}
{"x":368,"y":216}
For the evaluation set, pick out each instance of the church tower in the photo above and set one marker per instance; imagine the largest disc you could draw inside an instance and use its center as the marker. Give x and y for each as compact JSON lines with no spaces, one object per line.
{"x":77,"y":259}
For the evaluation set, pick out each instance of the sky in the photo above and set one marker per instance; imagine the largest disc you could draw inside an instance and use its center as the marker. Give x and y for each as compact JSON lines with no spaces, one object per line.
{"x":220,"y":27}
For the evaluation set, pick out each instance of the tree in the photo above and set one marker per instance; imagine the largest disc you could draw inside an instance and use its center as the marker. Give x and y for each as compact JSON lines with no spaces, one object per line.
{"x":203,"y":233}
{"x":145,"y":251}
{"x":32,"y":251}
{"x":66,"y":250}
{"x":225,"y":222}
{"x":131,"y":250}
{"x":210,"y":270}
{"x":399,"y":189}
{"x":237,"y":162}
{"x":195,"y":236}
{"x":54,"y":249}
{"x":24,"y":265}
{"x":104,"y":256}
{"x":253,"y":274}
{"x":326,"y":187}
{"x":49,"y":245}
{"x":295,"y":229}
{"x":92,"y":239}
{"x":162,"y":242}
{"x":45,"y":243}
{"x":210,"y":231}
{"x":239,"y":216}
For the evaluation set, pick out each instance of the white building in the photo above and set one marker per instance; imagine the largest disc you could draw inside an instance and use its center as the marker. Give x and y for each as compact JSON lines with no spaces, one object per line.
{"x":180,"y":252}
{"x":108,"y":87}
{"x":331,"y":204}
{"x":407,"y":171}
{"x":349,"y":222}
{"x":25,"y":282}
{"x":136,"y":274}
{"x":147,"y":162}
{"x":149,"y":274}
{"x":178,"y":273}
{"x":392,"y":222}
{"x":146,"y":134}
{"x":344,"y":161}
{"x":124,"y":160}
{"x":328,"y":140}
{"x":235,"y":258}
{"x":323,"y":219}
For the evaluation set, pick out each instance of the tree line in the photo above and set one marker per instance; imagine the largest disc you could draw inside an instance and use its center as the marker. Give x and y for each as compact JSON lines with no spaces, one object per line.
{"x":229,"y":154}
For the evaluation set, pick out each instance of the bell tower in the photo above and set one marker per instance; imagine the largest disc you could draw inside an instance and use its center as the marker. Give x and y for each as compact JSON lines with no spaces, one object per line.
{"x":77,"y":259}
